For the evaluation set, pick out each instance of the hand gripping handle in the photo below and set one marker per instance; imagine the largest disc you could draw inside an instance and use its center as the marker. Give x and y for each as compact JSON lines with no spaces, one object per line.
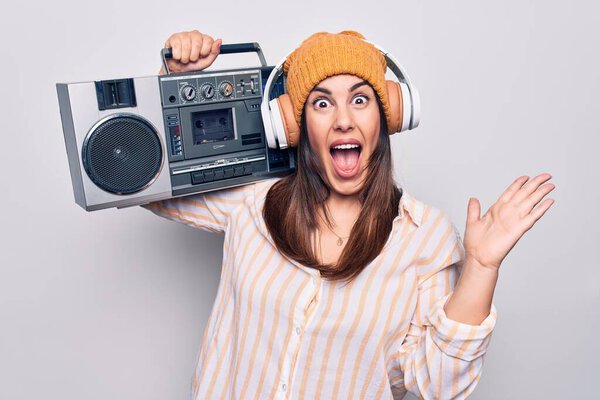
{"x":233,"y":48}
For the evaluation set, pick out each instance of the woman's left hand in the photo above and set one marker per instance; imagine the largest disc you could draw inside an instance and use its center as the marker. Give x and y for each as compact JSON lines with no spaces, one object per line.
{"x":490,"y":238}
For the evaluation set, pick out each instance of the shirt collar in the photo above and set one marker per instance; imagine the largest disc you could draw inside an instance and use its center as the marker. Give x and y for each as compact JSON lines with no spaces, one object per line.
{"x":411,"y":207}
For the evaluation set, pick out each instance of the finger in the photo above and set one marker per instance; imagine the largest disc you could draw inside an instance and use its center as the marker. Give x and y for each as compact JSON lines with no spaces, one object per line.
{"x":473,"y":210}
{"x":512,"y":189}
{"x":537,"y":196}
{"x":196,"y":46}
{"x":530,"y":187}
{"x":206,"y":46}
{"x":175,"y":48}
{"x":186,"y":48}
{"x":538,"y":212}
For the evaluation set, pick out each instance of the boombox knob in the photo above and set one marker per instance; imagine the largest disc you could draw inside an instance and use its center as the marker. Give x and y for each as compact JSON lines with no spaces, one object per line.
{"x":226,"y":89}
{"x":188,"y":93}
{"x":207,"y":90}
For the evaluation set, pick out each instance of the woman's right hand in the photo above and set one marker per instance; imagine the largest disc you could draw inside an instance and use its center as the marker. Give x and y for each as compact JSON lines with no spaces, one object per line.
{"x":192,"y":51}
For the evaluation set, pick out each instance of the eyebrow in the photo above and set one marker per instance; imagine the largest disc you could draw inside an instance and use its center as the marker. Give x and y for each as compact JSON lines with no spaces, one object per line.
{"x":352,"y":88}
{"x":357,"y":85}
{"x":320,"y":89}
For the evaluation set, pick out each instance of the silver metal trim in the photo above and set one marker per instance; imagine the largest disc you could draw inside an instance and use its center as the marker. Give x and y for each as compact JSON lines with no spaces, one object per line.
{"x":215,"y":74}
{"x":128,"y":115}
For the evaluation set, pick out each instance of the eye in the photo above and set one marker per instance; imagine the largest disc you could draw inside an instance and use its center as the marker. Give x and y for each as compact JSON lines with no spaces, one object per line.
{"x":360,"y":99}
{"x":321,"y":102}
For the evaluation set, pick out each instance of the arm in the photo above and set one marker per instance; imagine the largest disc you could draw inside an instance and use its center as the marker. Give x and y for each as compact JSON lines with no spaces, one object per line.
{"x":442,"y":358}
{"x":490,"y":238}
{"x":208,"y":211}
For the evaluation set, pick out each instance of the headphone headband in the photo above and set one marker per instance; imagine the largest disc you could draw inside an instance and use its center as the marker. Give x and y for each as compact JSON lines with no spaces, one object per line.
{"x":273,"y":120}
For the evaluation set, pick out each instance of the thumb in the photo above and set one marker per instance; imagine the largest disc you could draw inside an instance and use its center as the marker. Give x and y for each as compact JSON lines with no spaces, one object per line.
{"x":216,"y":47}
{"x":473,"y":210}
{"x":205,"y":62}
{"x":214,"y":52}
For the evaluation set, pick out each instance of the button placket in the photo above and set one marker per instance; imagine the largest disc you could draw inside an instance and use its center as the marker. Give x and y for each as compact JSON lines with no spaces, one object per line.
{"x":304,"y":316}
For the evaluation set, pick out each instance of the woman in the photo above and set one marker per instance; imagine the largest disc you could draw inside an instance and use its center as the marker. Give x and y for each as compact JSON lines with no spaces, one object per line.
{"x":336,"y":283}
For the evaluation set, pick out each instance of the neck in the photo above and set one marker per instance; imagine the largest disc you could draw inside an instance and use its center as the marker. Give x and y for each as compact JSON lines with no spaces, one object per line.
{"x":343,"y":210}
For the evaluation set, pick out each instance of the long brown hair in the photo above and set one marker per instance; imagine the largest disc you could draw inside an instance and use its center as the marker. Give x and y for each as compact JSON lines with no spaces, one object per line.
{"x":292,"y":205}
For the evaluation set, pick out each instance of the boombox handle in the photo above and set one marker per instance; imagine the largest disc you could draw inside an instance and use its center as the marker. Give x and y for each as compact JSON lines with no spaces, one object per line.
{"x":225,"y":49}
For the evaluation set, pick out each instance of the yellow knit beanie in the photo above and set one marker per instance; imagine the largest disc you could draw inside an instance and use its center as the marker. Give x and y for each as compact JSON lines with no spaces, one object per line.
{"x":325,"y":54}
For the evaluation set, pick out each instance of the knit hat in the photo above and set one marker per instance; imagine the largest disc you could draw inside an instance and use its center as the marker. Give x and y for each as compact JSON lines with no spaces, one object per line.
{"x":325,"y":54}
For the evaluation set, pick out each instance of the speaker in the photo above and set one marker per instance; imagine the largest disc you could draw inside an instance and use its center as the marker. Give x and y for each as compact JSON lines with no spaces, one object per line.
{"x":122,"y":154}
{"x":114,"y":137}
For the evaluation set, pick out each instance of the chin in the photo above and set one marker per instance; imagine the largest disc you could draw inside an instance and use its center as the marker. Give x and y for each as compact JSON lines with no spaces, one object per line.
{"x":345,"y":187}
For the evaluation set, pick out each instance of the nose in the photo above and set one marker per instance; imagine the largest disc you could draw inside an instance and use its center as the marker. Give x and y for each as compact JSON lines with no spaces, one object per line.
{"x":344,"y":120}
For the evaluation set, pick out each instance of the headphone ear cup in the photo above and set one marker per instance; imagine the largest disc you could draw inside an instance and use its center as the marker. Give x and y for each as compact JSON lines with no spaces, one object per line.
{"x":290,"y":126}
{"x":395,"y":101}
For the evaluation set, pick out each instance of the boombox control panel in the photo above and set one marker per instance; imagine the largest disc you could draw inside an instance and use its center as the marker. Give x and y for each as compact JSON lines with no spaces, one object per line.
{"x":198,"y":88}
{"x":214,"y":127}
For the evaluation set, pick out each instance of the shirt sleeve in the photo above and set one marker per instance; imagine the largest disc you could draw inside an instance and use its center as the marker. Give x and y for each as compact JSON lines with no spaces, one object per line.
{"x":441,"y":358}
{"x":209,"y":211}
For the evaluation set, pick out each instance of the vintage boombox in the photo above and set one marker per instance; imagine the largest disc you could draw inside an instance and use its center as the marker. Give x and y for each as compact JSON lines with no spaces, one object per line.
{"x":137,"y":140}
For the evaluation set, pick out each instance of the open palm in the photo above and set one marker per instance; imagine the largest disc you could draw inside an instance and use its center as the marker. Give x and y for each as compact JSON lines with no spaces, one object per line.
{"x":488,"y":239}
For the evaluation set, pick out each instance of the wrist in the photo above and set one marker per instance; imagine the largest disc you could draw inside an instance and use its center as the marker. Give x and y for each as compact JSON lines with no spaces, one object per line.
{"x":472,"y":264}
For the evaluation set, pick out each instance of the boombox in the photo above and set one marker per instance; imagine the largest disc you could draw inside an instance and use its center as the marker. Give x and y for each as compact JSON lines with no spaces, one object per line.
{"x":136,"y":140}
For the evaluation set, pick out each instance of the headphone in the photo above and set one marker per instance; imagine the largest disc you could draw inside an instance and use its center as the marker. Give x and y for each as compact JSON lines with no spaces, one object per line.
{"x":282,"y":130}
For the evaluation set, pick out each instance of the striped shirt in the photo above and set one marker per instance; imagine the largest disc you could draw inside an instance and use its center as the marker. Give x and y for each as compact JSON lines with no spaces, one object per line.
{"x":278,"y":330}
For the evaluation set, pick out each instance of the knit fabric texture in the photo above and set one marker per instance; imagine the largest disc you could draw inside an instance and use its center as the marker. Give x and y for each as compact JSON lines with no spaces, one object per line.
{"x":325,"y":54}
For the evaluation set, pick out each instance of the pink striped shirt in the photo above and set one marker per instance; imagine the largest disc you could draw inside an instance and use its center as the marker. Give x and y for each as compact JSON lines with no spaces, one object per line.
{"x":278,"y":330}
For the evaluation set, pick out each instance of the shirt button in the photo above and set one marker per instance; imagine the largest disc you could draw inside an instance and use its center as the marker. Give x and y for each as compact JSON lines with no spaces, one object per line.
{"x":283,"y":387}
{"x":297,"y":330}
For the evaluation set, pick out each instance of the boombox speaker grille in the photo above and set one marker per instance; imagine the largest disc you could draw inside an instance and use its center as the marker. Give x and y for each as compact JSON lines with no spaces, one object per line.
{"x":122,"y":154}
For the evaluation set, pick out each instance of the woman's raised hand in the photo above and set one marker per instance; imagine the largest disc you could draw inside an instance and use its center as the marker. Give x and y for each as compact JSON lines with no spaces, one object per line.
{"x":490,"y":238}
{"x":192,"y":51}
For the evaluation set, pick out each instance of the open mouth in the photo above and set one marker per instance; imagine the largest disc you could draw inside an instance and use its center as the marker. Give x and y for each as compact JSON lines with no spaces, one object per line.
{"x":346,"y":158}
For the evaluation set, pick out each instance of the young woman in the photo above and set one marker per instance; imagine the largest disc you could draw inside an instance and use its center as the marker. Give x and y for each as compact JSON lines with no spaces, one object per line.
{"x":336,"y":283}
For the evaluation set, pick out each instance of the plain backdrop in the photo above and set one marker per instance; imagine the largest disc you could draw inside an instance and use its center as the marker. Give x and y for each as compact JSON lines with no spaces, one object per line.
{"x":112,"y":304}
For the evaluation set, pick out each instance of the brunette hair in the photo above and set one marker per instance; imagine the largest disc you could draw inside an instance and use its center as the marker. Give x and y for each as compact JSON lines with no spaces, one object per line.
{"x":292,"y":203}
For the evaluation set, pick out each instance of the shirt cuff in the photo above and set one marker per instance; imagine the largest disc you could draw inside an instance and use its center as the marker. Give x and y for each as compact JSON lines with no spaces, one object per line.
{"x":458,"y":339}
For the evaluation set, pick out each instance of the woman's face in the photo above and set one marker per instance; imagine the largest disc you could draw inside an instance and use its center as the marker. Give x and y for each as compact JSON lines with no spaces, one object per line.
{"x":343,"y":124}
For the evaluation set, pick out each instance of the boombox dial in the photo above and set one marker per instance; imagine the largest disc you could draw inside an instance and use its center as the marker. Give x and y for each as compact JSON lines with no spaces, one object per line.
{"x":226,"y":88}
{"x":188,"y":93}
{"x":207,"y":90}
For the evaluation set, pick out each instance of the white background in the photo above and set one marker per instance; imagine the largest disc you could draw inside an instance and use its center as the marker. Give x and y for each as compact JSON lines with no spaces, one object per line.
{"x":112,"y":304}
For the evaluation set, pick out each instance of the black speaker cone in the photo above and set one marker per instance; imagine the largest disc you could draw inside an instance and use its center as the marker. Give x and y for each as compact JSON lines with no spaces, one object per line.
{"x":122,"y":154}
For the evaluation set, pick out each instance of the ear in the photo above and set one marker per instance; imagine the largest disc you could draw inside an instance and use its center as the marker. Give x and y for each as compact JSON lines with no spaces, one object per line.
{"x":396,"y":104}
{"x":290,"y":126}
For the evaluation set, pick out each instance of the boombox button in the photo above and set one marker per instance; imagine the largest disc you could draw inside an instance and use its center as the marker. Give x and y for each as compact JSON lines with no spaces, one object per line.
{"x":198,"y":177}
{"x":248,"y":169}
{"x":219,"y":174}
{"x":237,"y":171}
{"x":228,"y":172}
{"x":209,"y":176}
